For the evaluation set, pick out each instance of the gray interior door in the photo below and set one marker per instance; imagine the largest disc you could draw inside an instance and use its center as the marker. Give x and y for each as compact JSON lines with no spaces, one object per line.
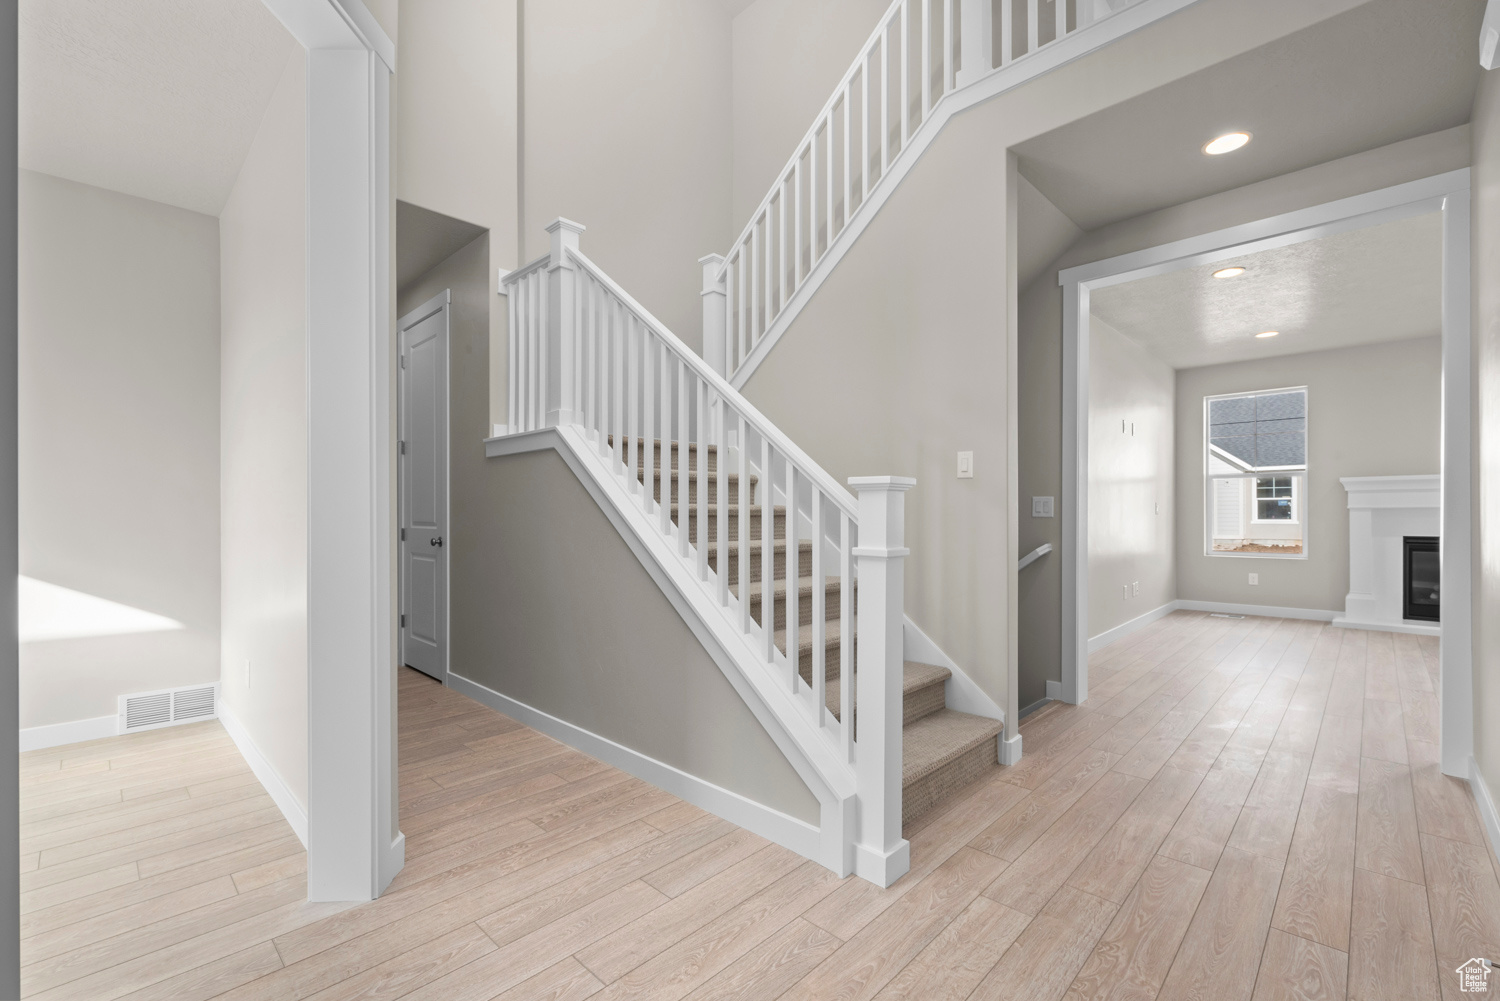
{"x":423,"y":476}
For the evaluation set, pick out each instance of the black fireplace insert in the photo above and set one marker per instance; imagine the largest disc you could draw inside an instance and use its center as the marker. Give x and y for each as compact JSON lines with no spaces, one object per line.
{"x":1420,"y":595}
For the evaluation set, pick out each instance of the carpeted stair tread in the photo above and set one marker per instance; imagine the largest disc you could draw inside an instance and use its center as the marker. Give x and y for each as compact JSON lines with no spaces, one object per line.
{"x":933,"y":741}
{"x":921,"y":691}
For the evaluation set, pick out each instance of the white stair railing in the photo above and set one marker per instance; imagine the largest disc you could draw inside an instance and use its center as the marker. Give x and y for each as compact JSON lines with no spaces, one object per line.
{"x":584,"y":353}
{"x":920,"y":52}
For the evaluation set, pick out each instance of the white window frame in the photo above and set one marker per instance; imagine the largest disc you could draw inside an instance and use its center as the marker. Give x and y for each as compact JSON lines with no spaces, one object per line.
{"x":1252,"y":474}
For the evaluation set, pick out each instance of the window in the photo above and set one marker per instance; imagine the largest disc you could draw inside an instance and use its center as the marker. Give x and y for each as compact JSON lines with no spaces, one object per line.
{"x":1256,"y":473}
{"x":1275,"y":498}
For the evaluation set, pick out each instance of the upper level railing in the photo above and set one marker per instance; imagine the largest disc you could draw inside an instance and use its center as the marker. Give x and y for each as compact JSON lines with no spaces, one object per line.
{"x":913,"y":60}
{"x":735,"y":501}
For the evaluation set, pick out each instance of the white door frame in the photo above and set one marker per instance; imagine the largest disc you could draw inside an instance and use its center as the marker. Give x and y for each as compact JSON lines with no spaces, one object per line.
{"x":1448,"y":193}
{"x":354,"y":848}
{"x":442,"y":301}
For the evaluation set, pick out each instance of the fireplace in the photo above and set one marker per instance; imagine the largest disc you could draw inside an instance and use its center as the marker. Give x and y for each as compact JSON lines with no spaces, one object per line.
{"x":1420,"y":594}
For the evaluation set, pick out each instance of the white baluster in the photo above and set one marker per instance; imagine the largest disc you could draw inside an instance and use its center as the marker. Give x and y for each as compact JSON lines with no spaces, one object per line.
{"x":721,"y":514}
{"x":617,"y":355}
{"x":925,"y":36}
{"x":781,"y":281}
{"x":633,"y":405}
{"x":846,"y":637}
{"x":885,"y":98}
{"x":1033,"y":25}
{"x":864,"y":129}
{"x":702,"y":451}
{"x":753,"y":289}
{"x":848,"y":189}
{"x":1061,"y":8}
{"x":766,"y":314}
{"x":905,"y":86}
{"x":812,"y":199}
{"x":511,"y":381}
{"x":648,"y":418}
{"x":819,"y":610}
{"x":665,"y":448}
{"x":767,"y":551}
{"x":881,"y":556}
{"x":793,"y":580}
{"x":832,"y":193}
{"x":742,"y":529}
{"x":948,"y":44}
{"x":1007,"y":32}
{"x":741,"y":296}
{"x":797,"y":221}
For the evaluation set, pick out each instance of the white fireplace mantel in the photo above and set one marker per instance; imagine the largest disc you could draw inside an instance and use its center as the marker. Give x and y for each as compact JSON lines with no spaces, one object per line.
{"x":1383,"y":510}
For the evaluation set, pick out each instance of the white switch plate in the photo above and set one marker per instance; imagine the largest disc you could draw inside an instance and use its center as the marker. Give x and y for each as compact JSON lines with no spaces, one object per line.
{"x":1255,"y":578}
{"x":966,"y":465}
{"x":1041,"y":507}
{"x":1135,"y":589}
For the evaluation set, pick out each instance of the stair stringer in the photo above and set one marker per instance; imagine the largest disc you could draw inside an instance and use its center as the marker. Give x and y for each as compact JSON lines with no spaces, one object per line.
{"x":812,"y":754}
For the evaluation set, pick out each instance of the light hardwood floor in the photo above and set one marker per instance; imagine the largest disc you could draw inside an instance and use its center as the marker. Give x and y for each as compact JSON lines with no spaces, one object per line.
{"x":1244,"y":809}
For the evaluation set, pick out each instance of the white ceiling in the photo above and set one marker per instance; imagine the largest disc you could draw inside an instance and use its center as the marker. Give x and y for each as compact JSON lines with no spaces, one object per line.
{"x":1385,"y":71}
{"x":1382,"y":283}
{"x":155,"y":98}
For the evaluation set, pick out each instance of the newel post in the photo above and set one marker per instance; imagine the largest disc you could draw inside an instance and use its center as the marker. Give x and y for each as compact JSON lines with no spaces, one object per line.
{"x":883,"y":856}
{"x":715,"y":320}
{"x":976,"y":40}
{"x":562,"y":339}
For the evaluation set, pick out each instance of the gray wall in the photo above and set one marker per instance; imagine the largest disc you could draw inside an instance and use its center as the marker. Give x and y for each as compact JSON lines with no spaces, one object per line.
{"x":264,"y":436}
{"x":1485,"y":184}
{"x":119,"y":437}
{"x":1131,"y":474}
{"x":1374,"y":410}
{"x":1041,"y":338}
{"x":551,"y":607}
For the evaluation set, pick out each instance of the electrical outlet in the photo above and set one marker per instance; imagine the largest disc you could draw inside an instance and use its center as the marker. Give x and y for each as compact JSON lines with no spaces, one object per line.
{"x":247,"y":673}
{"x":1255,"y":579}
{"x":1041,"y":507}
{"x":1132,"y":429}
{"x":1126,"y":589}
{"x":1135,"y":589}
{"x":966,"y":465}
{"x":1156,"y":508}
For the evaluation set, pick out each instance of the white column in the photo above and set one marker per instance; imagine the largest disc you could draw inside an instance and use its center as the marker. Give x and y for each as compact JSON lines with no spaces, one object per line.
{"x":882,"y":856}
{"x":562,"y":327}
{"x":715,"y":320}
{"x":975,"y":40}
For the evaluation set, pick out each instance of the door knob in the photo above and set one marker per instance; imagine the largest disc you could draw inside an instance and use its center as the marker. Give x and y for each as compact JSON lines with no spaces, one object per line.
{"x":437,"y":540}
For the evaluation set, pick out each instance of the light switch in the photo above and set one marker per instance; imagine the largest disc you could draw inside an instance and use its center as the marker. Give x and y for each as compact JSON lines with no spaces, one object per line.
{"x":1255,"y":579}
{"x":1041,"y":507}
{"x":966,"y":465}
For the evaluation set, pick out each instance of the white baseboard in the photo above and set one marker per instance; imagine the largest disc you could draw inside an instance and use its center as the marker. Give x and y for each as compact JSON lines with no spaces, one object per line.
{"x":959,"y":692}
{"x":1009,"y":751}
{"x":1486,"y":802}
{"x":1269,"y":611}
{"x":34,"y":738}
{"x":1104,"y":639}
{"x":1344,"y":622}
{"x":784,"y":829}
{"x":280,"y":793}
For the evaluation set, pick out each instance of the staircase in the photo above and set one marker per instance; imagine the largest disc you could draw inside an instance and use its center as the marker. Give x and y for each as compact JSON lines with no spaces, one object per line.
{"x":942,"y":750}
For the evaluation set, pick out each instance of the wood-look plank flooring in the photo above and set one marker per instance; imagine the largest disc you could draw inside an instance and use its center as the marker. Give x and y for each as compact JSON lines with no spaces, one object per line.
{"x":1244,"y":809}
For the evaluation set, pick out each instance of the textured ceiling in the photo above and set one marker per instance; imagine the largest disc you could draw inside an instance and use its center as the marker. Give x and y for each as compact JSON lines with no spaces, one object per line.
{"x":1382,"y":283}
{"x":155,"y":98}
{"x":1385,"y":71}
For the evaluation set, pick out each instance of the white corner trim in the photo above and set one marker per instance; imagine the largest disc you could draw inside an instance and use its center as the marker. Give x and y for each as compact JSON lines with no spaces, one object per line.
{"x":1269,"y":611}
{"x":34,"y":738}
{"x":1486,"y":804}
{"x":784,"y":829}
{"x":280,"y":793}
{"x":1009,"y":750}
{"x":1054,"y":689}
{"x":1104,"y":639}
{"x":960,"y":692}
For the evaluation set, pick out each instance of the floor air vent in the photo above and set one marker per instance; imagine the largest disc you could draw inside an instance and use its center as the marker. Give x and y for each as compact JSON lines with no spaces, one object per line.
{"x":150,"y":710}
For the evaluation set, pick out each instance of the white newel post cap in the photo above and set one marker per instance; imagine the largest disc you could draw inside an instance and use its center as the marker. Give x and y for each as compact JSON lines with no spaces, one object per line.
{"x":565,"y":233}
{"x":882,"y":514}
{"x":713,"y":280}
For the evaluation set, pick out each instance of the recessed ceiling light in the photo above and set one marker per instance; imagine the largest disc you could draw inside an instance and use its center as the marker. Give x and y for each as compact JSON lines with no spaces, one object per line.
{"x":1229,"y":272}
{"x":1268,"y":333}
{"x":1227,"y":143}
